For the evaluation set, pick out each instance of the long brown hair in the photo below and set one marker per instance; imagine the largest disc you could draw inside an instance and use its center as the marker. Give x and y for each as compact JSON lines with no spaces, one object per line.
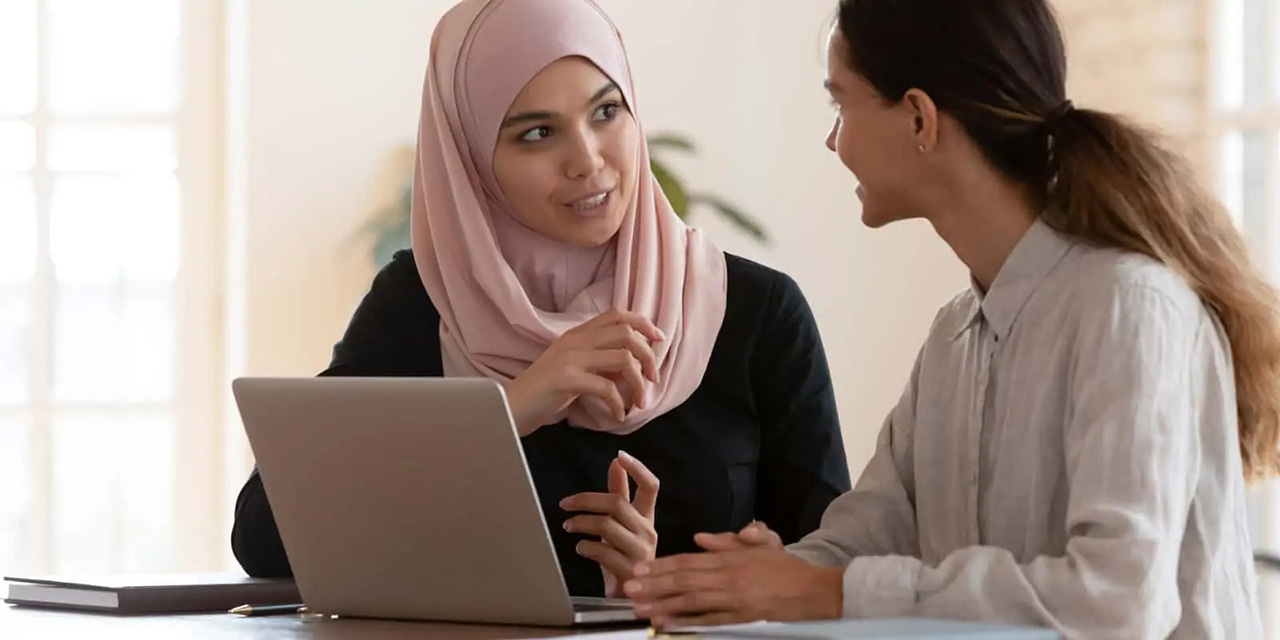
{"x":999,"y":67}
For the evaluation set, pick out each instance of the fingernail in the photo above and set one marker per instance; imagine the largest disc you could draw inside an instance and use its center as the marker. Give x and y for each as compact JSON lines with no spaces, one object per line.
{"x":633,"y":586}
{"x":643,"y":608}
{"x":626,"y":456}
{"x":564,"y":504}
{"x":641,"y":570}
{"x":567,"y":527}
{"x":661,"y":334}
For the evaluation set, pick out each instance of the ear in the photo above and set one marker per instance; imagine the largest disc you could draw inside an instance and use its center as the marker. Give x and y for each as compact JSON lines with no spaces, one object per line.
{"x":924,"y":119}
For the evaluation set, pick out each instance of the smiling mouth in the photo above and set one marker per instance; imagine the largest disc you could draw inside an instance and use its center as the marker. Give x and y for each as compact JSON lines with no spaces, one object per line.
{"x":591,"y":205}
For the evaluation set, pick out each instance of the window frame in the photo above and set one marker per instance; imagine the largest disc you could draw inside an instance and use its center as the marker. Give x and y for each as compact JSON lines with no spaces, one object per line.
{"x":195,"y":407}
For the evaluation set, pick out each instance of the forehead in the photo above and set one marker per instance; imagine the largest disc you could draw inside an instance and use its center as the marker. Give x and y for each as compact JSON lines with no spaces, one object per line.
{"x":836,"y":49}
{"x":570,"y":80}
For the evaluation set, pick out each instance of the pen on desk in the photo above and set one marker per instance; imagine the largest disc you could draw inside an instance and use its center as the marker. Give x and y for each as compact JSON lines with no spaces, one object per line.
{"x":268,"y":610}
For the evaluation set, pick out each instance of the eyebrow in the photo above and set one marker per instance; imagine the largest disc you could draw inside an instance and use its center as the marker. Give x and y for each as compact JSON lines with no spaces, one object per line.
{"x":537,"y":116}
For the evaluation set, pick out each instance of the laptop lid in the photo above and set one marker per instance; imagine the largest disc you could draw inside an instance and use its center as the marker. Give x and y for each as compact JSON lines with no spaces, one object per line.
{"x":404,"y":498}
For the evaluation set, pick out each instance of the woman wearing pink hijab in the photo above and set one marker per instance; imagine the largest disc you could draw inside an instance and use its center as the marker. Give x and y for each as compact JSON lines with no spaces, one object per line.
{"x":546,"y":257}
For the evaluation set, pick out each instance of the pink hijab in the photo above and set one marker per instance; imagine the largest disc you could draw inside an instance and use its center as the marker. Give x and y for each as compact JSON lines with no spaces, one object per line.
{"x":504,"y":292}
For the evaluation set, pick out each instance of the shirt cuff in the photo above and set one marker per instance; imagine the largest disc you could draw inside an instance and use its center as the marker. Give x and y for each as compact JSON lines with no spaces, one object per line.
{"x":880,"y":586}
{"x":817,"y":553}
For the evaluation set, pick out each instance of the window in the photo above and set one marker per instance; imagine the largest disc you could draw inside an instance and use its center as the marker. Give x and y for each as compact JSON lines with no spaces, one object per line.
{"x":1245,"y":124}
{"x":104,"y":276}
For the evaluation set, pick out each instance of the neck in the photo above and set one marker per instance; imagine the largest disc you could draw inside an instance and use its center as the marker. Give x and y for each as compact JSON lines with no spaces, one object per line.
{"x":983,"y":221}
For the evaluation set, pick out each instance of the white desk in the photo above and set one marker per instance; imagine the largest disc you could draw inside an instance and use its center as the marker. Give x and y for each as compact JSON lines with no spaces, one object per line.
{"x":20,"y":623}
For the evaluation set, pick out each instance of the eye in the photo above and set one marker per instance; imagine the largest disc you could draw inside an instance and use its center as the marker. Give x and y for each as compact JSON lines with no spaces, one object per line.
{"x":606,"y":112}
{"x":536,"y":134}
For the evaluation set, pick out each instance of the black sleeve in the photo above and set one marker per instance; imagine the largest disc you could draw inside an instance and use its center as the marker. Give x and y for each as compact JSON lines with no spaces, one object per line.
{"x":394,"y":332}
{"x":802,"y":462}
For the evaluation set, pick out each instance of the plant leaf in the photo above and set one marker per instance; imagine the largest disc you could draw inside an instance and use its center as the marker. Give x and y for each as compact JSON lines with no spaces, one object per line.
{"x":742,"y":221}
{"x":671,"y":141}
{"x":391,"y":239}
{"x":676,"y":193}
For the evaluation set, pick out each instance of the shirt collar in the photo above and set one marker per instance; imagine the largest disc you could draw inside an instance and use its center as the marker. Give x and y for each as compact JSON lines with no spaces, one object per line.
{"x":1026,"y":268}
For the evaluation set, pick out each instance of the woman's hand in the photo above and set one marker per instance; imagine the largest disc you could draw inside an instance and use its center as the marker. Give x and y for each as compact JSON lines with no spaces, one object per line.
{"x":624,"y":526}
{"x":757,"y":534}
{"x":748,"y":583}
{"x":592,"y":359}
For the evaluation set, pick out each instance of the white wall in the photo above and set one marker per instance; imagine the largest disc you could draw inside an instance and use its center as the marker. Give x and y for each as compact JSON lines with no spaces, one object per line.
{"x":329,"y":89}
{"x":321,"y":93}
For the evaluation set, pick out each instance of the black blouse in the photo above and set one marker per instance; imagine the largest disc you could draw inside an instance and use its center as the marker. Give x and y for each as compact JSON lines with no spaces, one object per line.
{"x":759,"y":439}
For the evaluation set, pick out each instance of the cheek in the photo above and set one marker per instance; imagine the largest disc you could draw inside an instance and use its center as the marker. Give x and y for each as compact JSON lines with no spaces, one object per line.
{"x":849,"y":147}
{"x":872,"y":154}
{"x":525,"y":182}
{"x":621,"y":148}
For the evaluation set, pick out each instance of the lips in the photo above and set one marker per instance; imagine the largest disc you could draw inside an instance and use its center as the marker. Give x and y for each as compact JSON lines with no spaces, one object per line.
{"x":591,"y":204}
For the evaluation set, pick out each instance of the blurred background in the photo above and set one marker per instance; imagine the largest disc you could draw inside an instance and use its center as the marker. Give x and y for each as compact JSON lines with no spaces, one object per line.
{"x":188,"y":188}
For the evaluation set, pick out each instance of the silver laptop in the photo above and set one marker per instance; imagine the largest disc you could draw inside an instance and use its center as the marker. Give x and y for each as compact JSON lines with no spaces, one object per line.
{"x":408,"y":498}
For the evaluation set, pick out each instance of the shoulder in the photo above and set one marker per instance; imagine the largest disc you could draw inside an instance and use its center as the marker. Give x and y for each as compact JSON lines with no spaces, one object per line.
{"x":755,"y":284}
{"x":955,"y":315}
{"x":1104,"y":284}
{"x":398,"y":285}
{"x":401,"y":267}
{"x":764,"y":302}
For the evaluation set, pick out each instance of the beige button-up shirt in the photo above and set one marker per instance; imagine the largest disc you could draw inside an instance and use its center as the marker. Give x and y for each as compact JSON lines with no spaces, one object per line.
{"x":1065,"y":454}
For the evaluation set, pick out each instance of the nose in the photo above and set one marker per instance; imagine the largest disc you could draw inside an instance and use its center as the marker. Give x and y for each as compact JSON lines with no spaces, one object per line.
{"x":584,"y":158}
{"x":831,"y":135}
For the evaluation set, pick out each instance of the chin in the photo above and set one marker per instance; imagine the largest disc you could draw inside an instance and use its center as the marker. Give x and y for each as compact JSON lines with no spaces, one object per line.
{"x":873,"y":219}
{"x":875,"y":216}
{"x":593,"y":232}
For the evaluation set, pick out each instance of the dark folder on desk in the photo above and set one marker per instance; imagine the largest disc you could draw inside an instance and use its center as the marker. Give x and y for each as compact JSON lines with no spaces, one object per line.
{"x":168,"y":593}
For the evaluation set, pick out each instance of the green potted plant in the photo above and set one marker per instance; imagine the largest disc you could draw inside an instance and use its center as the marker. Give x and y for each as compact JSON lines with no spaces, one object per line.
{"x":389,"y":227}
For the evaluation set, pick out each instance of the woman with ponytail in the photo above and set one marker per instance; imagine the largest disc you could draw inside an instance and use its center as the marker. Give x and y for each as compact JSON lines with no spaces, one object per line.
{"x":1074,"y":442}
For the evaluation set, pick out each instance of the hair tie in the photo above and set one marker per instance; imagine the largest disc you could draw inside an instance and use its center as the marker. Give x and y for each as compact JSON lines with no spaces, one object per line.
{"x":1056,"y":114}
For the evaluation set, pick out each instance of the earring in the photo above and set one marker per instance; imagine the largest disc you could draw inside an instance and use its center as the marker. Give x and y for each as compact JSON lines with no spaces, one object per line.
{"x":922,"y":149}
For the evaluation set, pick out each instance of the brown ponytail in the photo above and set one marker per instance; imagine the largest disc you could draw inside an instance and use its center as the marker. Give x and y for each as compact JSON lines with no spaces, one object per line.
{"x":999,"y":68}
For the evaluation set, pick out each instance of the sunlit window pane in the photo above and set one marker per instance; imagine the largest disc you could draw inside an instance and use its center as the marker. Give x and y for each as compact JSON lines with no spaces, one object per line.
{"x":17,"y":145}
{"x":110,"y":227}
{"x":15,"y":347}
{"x":17,"y":56}
{"x":113,"y":344}
{"x":1240,"y":69}
{"x":15,"y":499}
{"x":17,"y":228}
{"x":112,"y":148}
{"x":119,"y":56}
{"x":1253,"y":197}
{"x":112,"y":493}
{"x":1229,"y":71}
{"x":1254,"y":37}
